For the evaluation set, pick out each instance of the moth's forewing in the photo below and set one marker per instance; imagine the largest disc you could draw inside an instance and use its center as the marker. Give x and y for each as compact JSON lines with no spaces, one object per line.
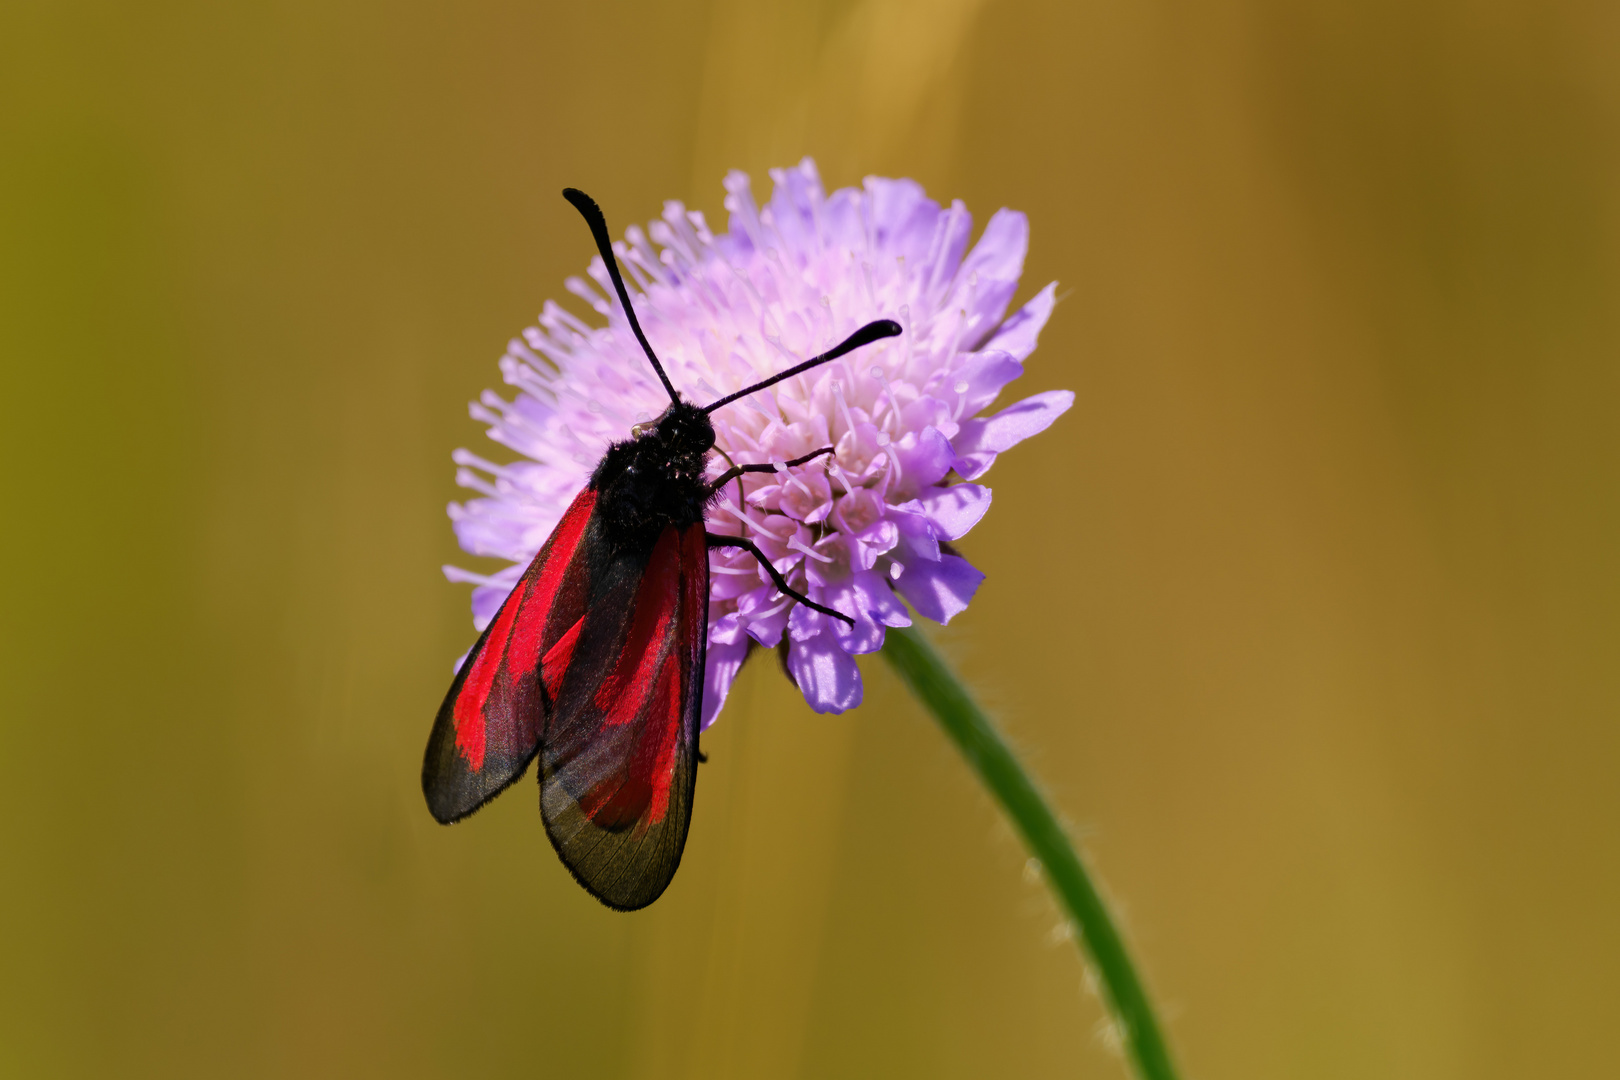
{"x":618,"y":759}
{"x":489,"y":726}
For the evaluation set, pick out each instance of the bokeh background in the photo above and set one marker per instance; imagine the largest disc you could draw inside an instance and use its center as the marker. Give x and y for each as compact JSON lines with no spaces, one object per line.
{"x":1308,"y":614}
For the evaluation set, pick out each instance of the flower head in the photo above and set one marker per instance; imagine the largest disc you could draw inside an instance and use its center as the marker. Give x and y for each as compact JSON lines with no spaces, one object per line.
{"x":856,"y":531}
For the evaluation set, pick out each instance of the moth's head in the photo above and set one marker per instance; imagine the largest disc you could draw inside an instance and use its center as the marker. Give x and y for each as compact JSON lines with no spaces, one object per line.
{"x":684,"y":428}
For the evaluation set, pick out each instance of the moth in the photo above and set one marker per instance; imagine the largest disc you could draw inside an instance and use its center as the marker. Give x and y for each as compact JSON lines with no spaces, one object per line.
{"x":594,"y":663}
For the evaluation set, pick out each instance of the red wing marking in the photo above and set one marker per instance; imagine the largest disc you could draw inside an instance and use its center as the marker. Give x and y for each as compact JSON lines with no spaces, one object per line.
{"x":528,"y":641}
{"x":555,"y":664}
{"x":518,"y":631}
{"x":694,"y":629}
{"x":622,"y":693}
{"x":665,"y":720}
{"x":470,"y":727}
{"x":639,"y":795}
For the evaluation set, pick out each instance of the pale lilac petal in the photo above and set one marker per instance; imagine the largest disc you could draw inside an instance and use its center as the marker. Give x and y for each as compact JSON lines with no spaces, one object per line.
{"x":486,"y":601}
{"x":731,"y":579}
{"x":989,"y":275}
{"x":973,"y":466}
{"x":1014,"y":424}
{"x":825,"y":673}
{"x":929,"y":412}
{"x":805,"y":623}
{"x":795,"y":197}
{"x":918,"y":540}
{"x":858,"y":511}
{"x":727,"y":629}
{"x":867,"y":546}
{"x":489,"y":593}
{"x":940,"y":590}
{"x":944,"y":256}
{"x":999,"y":254}
{"x":766,"y":613}
{"x":743,"y":225}
{"x":867,"y":634}
{"x":954,"y":510}
{"x":843,"y":220}
{"x":925,"y":457}
{"x":976,"y":383}
{"x":484,"y":528}
{"x":720,"y":668}
{"x":877,"y":599}
{"x":1017,"y":336}
{"x":981,"y":439}
{"x":903,"y":218}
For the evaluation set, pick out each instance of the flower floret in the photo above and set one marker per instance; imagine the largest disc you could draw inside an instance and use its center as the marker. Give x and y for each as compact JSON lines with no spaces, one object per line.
{"x":857,"y":531}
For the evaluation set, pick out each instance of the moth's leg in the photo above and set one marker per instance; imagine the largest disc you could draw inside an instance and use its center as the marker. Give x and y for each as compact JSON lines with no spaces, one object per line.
{"x":749,"y":546}
{"x":770,"y":466}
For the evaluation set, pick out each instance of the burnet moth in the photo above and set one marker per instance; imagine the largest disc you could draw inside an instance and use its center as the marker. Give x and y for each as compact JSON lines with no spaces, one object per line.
{"x":594,"y":663}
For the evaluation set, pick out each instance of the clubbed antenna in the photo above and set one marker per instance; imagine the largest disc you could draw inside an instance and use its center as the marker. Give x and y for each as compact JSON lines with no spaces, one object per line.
{"x":593,"y":217}
{"x":872,"y":331}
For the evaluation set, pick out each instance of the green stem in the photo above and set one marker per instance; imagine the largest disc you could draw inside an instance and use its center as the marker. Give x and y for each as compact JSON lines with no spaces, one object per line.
{"x":933,"y":682}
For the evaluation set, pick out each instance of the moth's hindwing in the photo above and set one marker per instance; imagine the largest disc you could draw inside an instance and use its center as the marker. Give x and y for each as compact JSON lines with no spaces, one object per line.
{"x":618,"y":758}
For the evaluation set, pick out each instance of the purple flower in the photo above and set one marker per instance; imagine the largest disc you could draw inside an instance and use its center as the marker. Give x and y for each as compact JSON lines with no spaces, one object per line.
{"x":856,"y":532}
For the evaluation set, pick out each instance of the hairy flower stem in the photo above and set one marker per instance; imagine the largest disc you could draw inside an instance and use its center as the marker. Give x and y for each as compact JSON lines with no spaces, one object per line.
{"x":937,"y":687}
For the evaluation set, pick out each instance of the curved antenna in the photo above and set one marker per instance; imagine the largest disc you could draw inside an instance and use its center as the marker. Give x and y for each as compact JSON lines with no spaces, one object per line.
{"x":872,"y":331}
{"x":593,"y":217}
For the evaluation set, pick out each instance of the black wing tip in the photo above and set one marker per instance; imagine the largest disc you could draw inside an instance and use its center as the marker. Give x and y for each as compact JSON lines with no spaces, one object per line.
{"x":446,"y":811}
{"x":450,"y":803}
{"x":621,"y":901}
{"x":446,"y":808}
{"x":643,"y":889}
{"x":626,"y":908}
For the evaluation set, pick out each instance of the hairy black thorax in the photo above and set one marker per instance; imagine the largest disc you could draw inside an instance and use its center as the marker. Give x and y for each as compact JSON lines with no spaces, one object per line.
{"x":654,"y":479}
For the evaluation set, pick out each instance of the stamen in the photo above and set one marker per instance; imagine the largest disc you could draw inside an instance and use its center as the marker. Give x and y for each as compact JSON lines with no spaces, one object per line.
{"x":943,"y":233}
{"x":744,"y":517}
{"x":961,"y":389}
{"x":626,"y":256}
{"x":740,"y":201}
{"x":723,"y":568}
{"x":796,"y":545}
{"x":472,"y":460}
{"x":579,"y":288}
{"x":673,"y":234}
{"x":468,"y":479}
{"x":840,"y":475}
{"x":843,"y":407}
{"x":700,"y":225}
{"x":894,"y":402}
{"x":776,"y":608}
{"x":554,"y":312}
{"x":461,"y":576}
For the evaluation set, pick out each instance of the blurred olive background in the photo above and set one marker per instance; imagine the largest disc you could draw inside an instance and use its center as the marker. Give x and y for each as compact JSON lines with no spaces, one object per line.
{"x":1308,"y":614}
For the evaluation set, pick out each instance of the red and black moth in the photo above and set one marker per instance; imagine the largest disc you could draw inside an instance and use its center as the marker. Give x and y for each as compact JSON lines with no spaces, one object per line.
{"x":594,"y":663}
